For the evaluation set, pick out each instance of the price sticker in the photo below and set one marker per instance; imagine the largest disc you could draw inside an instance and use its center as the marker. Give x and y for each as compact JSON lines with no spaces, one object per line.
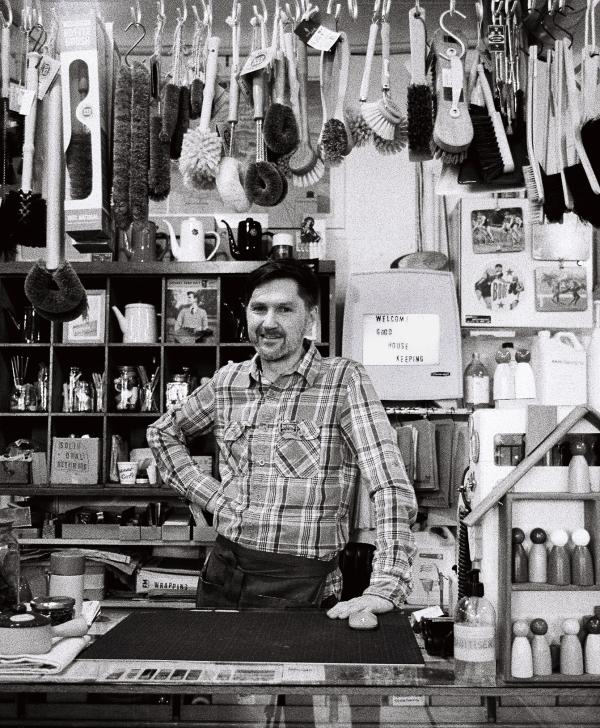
{"x":256,"y":61}
{"x":317,"y":36}
{"x":47,"y":69}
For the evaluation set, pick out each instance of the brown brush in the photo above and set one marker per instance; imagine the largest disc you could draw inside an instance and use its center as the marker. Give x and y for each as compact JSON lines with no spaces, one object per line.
{"x":79,"y":151}
{"x":183,"y":122}
{"x":307,"y":168}
{"x":139,"y":160}
{"x":122,"y":148}
{"x":335,"y":137}
{"x":159,"y":170}
{"x":419,"y":97}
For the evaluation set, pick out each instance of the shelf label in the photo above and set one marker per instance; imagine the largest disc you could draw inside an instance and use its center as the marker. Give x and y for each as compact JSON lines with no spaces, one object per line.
{"x":401,"y":339}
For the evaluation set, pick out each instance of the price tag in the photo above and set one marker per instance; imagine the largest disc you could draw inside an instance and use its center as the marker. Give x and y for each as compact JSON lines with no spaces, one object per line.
{"x":47,"y":69}
{"x":256,"y":61}
{"x":20,"y":99}
{"x":317,"y":36}
{"x":496,"y":37}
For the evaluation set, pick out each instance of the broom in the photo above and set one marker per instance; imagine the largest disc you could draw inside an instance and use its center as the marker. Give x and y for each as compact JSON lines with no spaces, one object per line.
{"x":24,"y":211}
{"x":419,"y":98}
{"x":201,"y":149}
{"x":307,"y":169}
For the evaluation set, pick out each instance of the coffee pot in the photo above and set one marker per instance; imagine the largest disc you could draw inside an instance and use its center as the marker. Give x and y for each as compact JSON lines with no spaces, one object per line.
{"x":192,"y":238}
{"x":139,"y":242}
{"x":138,"y":324}
{"x":249,"y":243}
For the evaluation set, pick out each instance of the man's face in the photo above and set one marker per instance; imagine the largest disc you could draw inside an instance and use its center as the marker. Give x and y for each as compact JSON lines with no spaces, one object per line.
{"x":498,"y":271}
{"x":191,"y":298}
{"x":278,"y":320}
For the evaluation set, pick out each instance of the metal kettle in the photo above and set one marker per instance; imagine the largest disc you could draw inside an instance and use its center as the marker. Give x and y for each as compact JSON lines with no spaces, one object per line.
{"x":249,"y":244}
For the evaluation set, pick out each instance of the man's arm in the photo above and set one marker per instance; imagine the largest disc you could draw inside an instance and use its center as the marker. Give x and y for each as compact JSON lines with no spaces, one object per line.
{"x":368,"y":433}
{"x":168,"y":439}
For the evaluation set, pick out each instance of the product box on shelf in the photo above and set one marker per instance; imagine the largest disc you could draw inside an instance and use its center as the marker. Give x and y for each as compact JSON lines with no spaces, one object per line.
{"x":86,"y":84}
{"x":177,"y":524}
{"x":75,"y":460}
{"x":167,"y":575}
{"x":15,"y":471}
{"x":97,"y":523}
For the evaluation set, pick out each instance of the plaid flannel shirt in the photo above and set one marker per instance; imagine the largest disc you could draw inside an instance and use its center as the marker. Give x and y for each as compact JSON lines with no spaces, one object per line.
{"x":291,"y":455}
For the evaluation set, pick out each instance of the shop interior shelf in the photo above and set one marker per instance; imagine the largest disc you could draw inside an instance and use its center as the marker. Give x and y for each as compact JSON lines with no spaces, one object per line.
{"x":182,"y":602}
{"x":554,"y":587}
{"x":549,"y":496}
{"x":109,"y":542}
{"x":110,"y":489}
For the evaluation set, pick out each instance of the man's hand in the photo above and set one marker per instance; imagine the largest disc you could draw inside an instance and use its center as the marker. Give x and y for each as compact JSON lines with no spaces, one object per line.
{"x":377,"y":605}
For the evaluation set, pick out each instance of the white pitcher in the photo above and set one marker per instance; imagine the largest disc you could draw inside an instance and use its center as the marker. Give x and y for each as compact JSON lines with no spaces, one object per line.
{"x":191,"y":245}
{"x":138,"y":324}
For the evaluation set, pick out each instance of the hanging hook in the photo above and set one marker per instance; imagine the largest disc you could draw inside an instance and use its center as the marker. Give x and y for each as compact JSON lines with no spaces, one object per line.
{"x":452,"y":35}
{"x":385,"y":10}
{"x":182,"y":17}
{"x":137,"y":42}
{"x":295,"y":14}
{"x":376,"y":8}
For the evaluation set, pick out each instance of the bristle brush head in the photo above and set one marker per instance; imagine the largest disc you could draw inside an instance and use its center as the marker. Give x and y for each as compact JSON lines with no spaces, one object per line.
{"x":420,"y":117}
{"x":334,"y":141}
{"x":361,"y":132}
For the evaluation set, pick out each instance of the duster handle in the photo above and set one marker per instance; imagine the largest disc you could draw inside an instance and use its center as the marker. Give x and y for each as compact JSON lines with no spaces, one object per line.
{"x":364,"y":86}
{"x":29,"y":137}
{"x":5,"y":61}
{"x":209,"y":82}
{"x":55,"y":163}
{"x":343,"y":47}
{"x":288,"y":40}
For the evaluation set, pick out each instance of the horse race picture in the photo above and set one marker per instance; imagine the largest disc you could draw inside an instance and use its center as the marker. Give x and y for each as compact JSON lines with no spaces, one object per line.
{"x":561,"y":289}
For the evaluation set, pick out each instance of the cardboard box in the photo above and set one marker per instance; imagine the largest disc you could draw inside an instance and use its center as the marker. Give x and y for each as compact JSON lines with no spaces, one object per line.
{"x":83,"y":66}
{"x":75,"y":460}
{"x":150,"y":533}
{"x":167,"y":575}
{"x":15,"y":471}
{"x":177,"y":524}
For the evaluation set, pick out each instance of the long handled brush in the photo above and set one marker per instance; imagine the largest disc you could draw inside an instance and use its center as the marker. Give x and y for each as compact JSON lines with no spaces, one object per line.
{"x":361,"y":131}
{"x":202,"y":149}
{"x":419,"y":98}
{"x":23,"y":210}
{"x":307,"y":169}
{"x":390,"y":132}
{"x":336,"y":136}
{"x":122,"y":143}
{"x":554,"y":201}
{"x":532,"y":172}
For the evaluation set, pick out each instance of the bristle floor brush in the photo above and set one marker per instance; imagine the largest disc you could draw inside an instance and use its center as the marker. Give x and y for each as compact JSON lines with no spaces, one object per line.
{"x":139,"y":161}
{"x":419,"y":95}
{"x":307,"y":168}
{"x":202,"y":149}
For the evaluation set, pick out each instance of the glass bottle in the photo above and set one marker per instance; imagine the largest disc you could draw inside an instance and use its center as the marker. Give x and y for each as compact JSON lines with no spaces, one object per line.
{"x":42,"y":387}
{"x":475,"y":636}
{"x":31,"y":326}
{"x":10,"y":565}
{"x":127,"y":389}
{"x":83,"y":397}
{"x":477,"y":384}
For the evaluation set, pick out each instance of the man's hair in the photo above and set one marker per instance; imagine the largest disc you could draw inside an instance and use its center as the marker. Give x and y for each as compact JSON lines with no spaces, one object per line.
{"x":274,"y":270}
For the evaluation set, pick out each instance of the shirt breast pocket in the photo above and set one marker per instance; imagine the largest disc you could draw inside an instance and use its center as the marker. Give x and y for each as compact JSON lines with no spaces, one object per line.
{"x":235,"y":447}
{"x":298,"y":449}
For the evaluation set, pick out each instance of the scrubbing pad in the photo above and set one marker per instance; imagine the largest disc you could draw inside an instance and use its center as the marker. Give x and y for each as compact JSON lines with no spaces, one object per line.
{"x":58,"y":296}
{"x":280,"y":129}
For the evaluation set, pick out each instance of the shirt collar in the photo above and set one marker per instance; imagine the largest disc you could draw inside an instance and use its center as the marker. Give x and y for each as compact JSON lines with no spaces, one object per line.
{"x":308,"y":367}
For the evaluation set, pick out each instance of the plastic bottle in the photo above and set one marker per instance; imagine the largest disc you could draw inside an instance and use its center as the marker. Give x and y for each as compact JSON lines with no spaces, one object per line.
{"x":477,"y":384}
{"x":504,"y":383}
{"x":524,"y":376}
{"x":475,"y":636}
{"x":593,"y":361}
{"x":67,"y":569}
{"x":559,"y":364}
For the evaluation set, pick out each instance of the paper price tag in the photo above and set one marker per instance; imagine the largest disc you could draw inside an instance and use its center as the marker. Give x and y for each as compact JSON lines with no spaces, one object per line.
{"x":496,"y":37}
{"x":47,"y":70}
{"x":312,"y":33}
{"x":15,"y":92}
{"x":23,"y":99}
{"x":256,"y":61}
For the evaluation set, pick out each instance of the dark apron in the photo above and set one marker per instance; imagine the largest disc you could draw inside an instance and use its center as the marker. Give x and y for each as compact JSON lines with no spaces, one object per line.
{"x":235,"y":577}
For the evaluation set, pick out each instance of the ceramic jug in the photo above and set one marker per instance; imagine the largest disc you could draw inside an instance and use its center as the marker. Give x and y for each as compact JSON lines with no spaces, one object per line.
{"x":139,"y":242}
{"x":192,"y":238}
{"x":138,"y":324}
{"x":249,"y":243}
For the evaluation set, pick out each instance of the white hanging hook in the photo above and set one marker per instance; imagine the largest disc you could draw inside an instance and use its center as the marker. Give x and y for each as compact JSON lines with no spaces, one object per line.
{"x":376,"y":9}
{"x":450,"y":33}
{"x":385,"y":10}
{"x":293,"y":14}
{"x":136,"y":12}
{"x":418,"y":9}
{"x":352,"y":9}
{"x":182,"y":17}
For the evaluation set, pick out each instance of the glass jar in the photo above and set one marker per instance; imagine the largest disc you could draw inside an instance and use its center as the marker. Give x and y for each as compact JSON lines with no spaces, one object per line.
{"x":10,"y":565}
{"x":127,"y":389}
{"x":178,"y":389}
{"x":23,"y":398}
{"x":31,"y":326}
{"x":83,"y":397}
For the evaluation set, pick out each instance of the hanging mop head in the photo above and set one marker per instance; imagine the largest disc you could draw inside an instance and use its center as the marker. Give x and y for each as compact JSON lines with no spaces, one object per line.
{"x":58,"y":296}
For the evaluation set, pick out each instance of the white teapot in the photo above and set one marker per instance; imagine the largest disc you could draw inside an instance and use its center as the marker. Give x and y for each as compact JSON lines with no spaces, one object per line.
{"x":191,"y":245}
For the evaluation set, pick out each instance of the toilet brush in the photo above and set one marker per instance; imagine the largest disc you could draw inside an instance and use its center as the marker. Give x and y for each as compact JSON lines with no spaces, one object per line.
{"x":201,"y":148}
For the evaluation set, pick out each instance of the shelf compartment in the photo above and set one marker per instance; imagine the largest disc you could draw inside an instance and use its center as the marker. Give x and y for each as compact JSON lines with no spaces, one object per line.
{"x":89,"y":359}
{"x":13,"y":290}
{"x":33,"y":356}
{"x":108,"y":490}
{"x":133,"y":289}
{"x":32,"y":427}
{"x":192,"y":310}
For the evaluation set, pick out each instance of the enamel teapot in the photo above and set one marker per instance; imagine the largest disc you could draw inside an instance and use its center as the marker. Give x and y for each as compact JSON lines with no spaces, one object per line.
{"x":191,"y":245}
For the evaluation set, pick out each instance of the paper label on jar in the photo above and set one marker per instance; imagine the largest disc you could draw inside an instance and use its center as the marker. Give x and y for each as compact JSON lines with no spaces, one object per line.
{"x":477,"y":390}
{"x":474,"y":644}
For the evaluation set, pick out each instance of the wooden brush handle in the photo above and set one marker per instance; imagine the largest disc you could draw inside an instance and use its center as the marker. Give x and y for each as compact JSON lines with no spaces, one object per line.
{"x":29,"y":136}
{"x":288,"y":42}
{"x":302,"y":83}
{"x":258,"y":95}
{"x":560,"y":135}
{"x":279,"y":78}
{"x":5,"y":61}
{"x":385,"y":56}
{"x":342,"y":46}
{"x":55,"y":165}
{"x":364,"y":85}
{"x":418,"y":45}
{"x":234,"y":91}
{"x":209,"y":81}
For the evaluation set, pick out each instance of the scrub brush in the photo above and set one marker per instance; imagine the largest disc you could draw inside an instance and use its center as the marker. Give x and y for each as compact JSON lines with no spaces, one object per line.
{"x":361,"y":131}
{"x":122,"y":147}
{"x":419,"y":97}
{"x":202,"y":149}
{"x":183,"y":122}
{"x":139,"y":161}
{"x":159,"y":169}
{"x":531,"y":171}
{"x":335,"y":137}
{"x":307,"y":168}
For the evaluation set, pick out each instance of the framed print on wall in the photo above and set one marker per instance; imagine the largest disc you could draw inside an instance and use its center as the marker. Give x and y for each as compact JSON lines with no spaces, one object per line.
{"x":91,"y":328}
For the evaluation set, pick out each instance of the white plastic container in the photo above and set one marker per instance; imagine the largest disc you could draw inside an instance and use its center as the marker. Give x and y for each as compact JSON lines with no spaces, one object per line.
{"x":524,"y":376}
{"x":559,"y":365}
{"x":593,"y":361}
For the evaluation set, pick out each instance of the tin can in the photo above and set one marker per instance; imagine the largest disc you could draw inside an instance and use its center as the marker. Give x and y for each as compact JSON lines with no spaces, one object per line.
{"x":58,"y":609}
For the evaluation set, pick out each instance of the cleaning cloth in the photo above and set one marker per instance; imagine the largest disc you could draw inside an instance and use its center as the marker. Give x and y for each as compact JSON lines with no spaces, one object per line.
{"x":64,"y":651}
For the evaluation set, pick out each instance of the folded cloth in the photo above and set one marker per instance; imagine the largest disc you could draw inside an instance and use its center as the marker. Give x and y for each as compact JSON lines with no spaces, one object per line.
{"x":63,"y":652}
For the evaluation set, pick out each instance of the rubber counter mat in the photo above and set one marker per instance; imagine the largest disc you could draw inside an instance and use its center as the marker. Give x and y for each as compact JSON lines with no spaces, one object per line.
{"x":256,"y":637}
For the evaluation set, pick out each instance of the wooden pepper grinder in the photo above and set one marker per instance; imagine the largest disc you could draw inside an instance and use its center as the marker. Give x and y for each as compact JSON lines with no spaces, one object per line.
{"x":521,"y":659}
{"x":559,"y":562}
{"x":538,"y":556}
{"x":540,"y":649}
{"x":520,"y":562}
{"x":592,"y":645}
{"x":579,"y":471}
{"x":571,"y":654}
{"x":582,"y":567}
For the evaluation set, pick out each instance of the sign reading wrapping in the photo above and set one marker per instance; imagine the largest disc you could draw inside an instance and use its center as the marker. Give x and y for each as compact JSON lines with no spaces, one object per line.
{"x":401,"y":339}
{"x":75,"y":460}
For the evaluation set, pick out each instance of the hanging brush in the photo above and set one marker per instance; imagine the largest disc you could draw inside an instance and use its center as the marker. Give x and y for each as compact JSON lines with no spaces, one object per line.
{"x":24,"y":211}
{"x":231,"y":173}
{"x":197,"y":85}
{"x":336,"y":136}
{"x":452,"y":130}
{"x":307,"y":168}
{"x":560,"y":124}
{"x":489,"y":137}
{"x":531,"y":171}
{"x":361,"y":131}
{"x":419,"y":98}
{"x":122,"y":148}
{"x":391,"y":119}
{"x":78,"y":156}
{"x":7,"y":244}
{"x":139,"y":161}
{"x":554,"y":201}
{"x":202,"y":149}
{"x":159,"y":171}
{"x":280,"y":126}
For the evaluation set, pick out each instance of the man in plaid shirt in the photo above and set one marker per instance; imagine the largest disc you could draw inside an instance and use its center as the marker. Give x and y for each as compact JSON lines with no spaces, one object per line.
{"x":296,"y":433}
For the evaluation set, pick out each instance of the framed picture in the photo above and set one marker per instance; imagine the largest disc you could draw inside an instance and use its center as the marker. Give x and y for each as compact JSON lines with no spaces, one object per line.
{"x":501,"y":286}
{"x":191,"y":310}
{"x":90,"y":329}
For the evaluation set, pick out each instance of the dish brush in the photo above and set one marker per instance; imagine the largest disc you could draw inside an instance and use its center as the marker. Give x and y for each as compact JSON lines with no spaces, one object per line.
{"x":419,"y":96}
{"x":335,"y":137}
